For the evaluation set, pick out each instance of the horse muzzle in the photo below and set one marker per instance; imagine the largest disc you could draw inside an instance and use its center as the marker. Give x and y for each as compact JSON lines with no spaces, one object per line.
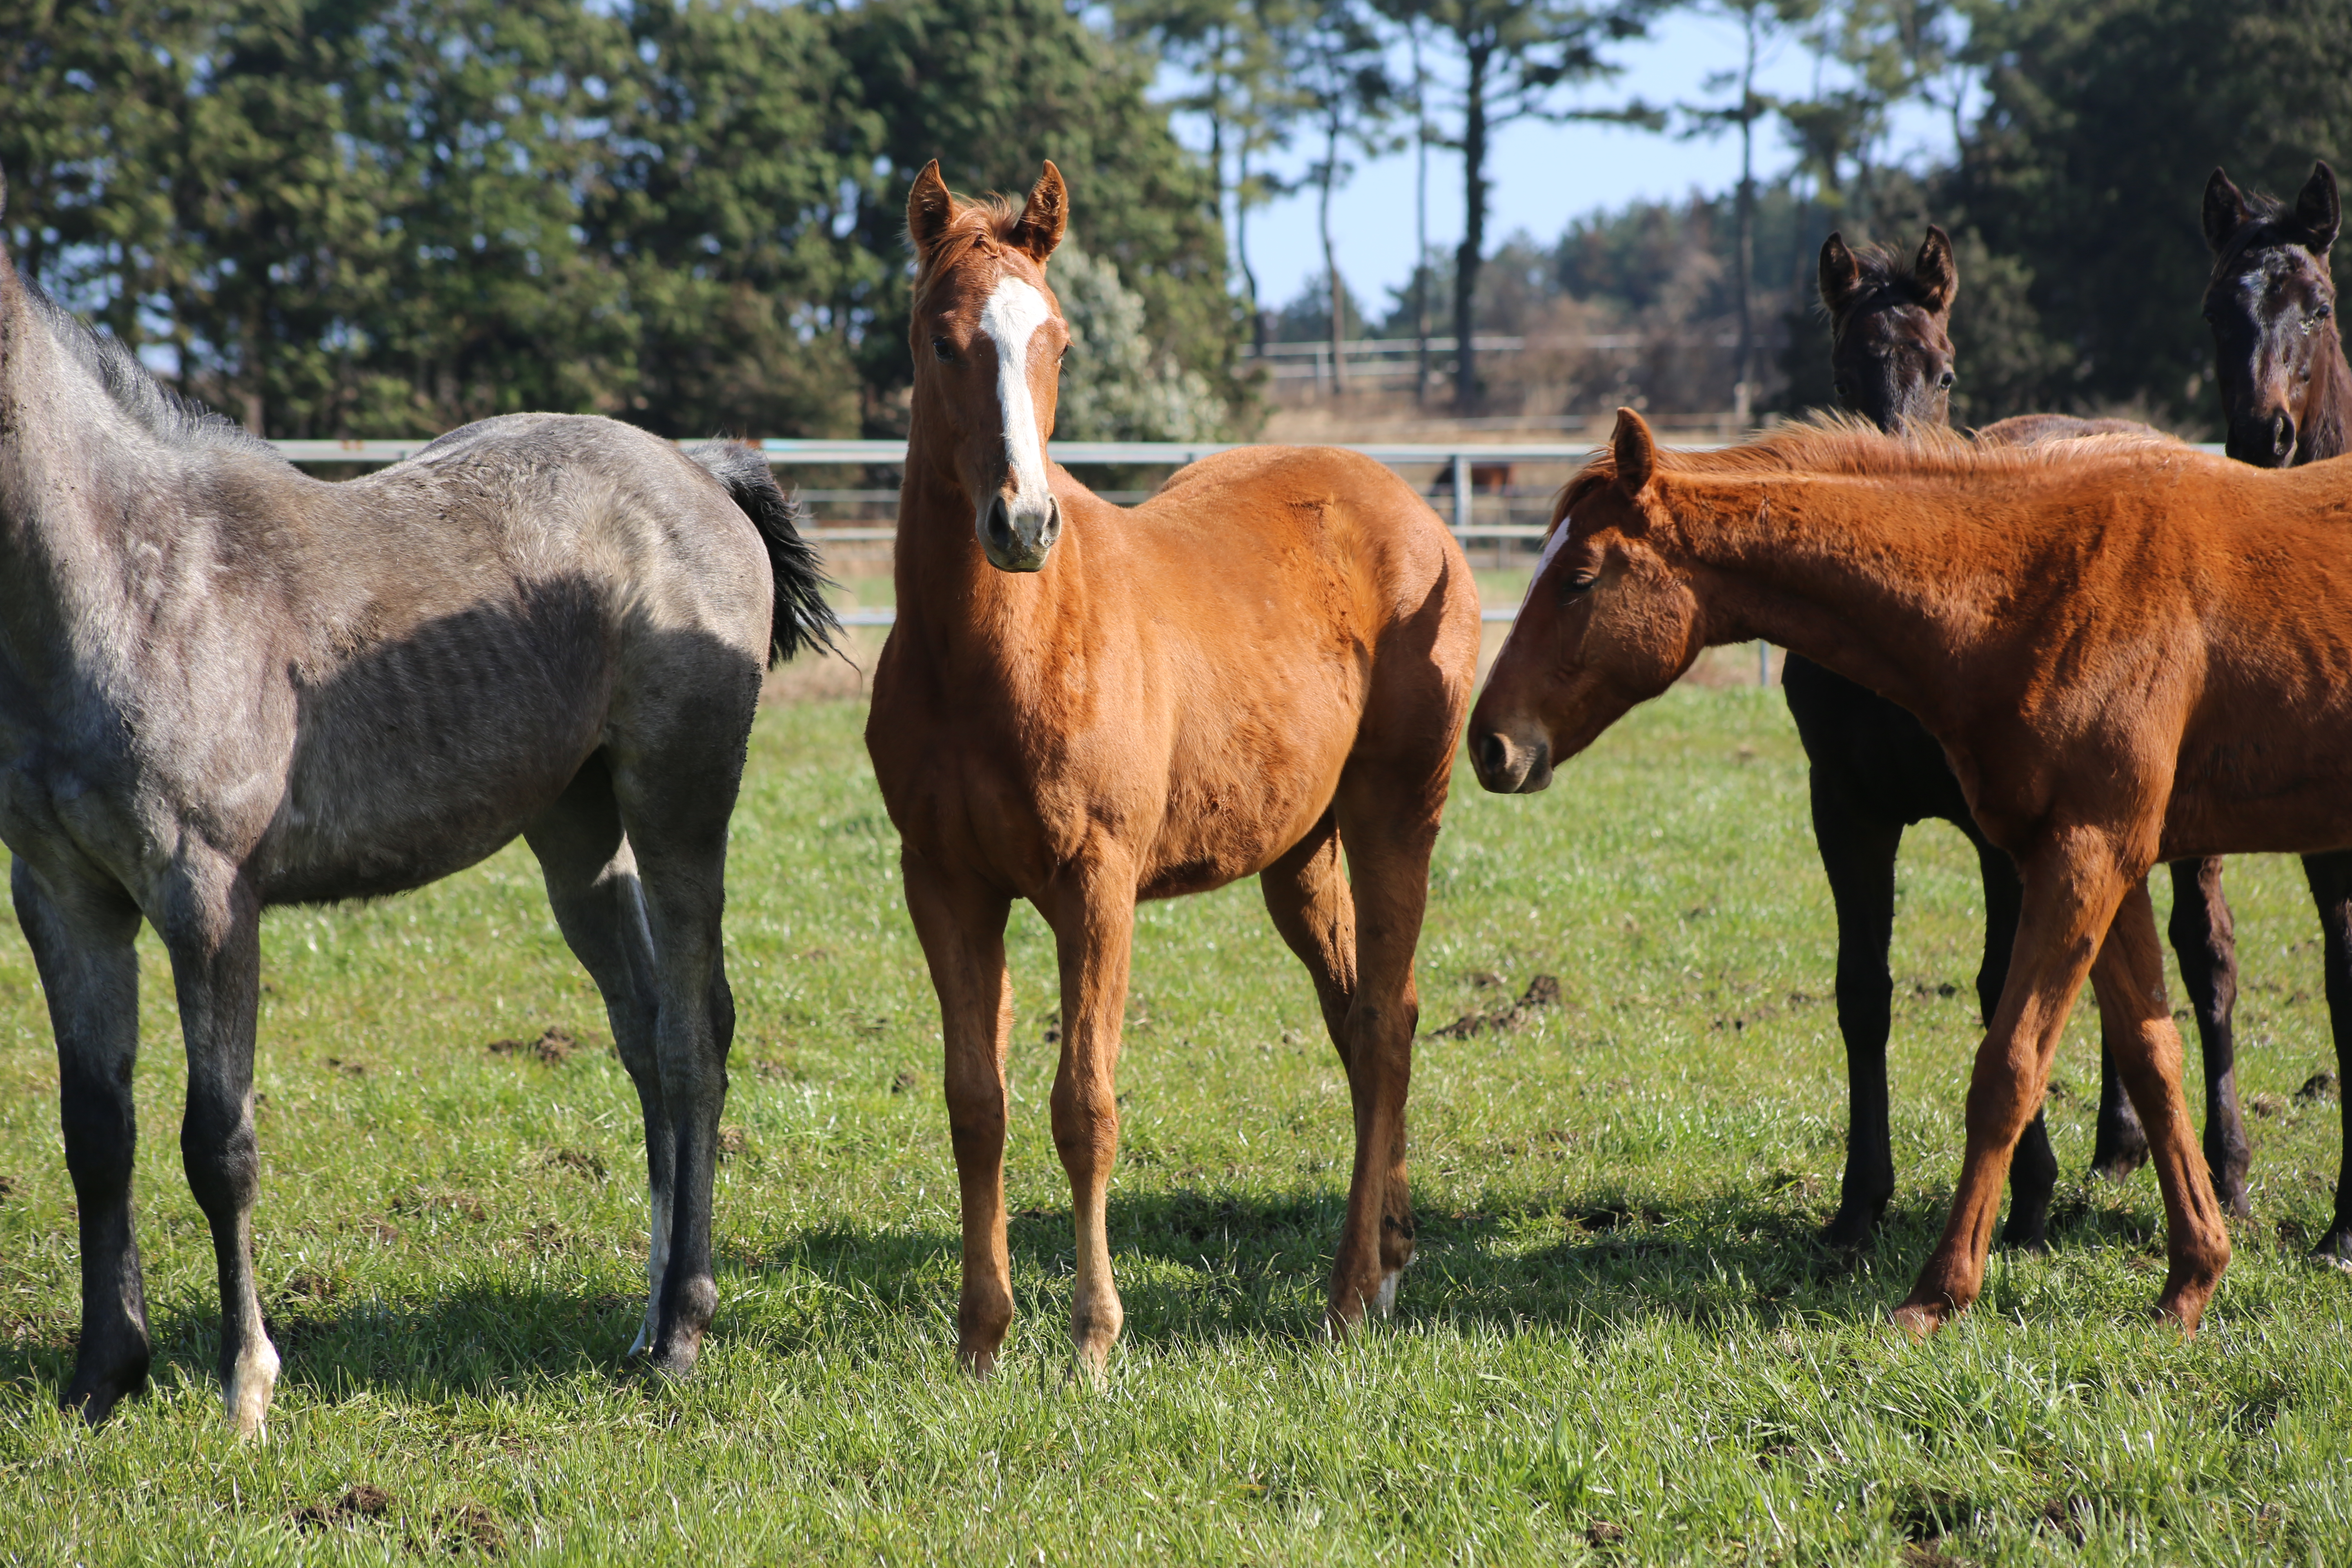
{"x":1016,"y":534}
{"x":1505,"y":766}
{"x":2266,"y":441}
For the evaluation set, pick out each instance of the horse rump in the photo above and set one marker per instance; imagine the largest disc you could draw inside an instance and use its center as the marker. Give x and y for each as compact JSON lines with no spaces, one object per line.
{"x":802,"y":619}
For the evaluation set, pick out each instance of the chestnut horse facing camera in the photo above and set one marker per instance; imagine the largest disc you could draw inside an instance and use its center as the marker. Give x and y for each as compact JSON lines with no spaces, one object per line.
{"x":2130,"y":650}
{"x":1264,"y":665}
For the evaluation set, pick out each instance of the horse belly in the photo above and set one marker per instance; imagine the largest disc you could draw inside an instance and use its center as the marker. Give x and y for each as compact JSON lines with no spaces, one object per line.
{"x":1238,"y":801}
{"x":395,"y":784}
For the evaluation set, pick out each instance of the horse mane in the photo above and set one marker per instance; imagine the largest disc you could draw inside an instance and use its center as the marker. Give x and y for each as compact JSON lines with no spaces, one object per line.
{"x":984,"y":222}
{"x":1890,"y":276}
{"x":175,"y":420}
{"x":1851,"y":447}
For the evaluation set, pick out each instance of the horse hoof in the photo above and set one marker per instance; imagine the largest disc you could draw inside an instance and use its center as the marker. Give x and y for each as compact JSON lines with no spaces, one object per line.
{"x":672,"y":1361}
{"x":2119,"y":1167}
{"x":2335,"y":1250}
{"x":1847,"y":1233}
{"x":1919,"y":1320}
{"x":1384,"y":1299}
{"x":95,"y":1397}
{"x":2034,"y":1238}
{"x":246,"y":1395}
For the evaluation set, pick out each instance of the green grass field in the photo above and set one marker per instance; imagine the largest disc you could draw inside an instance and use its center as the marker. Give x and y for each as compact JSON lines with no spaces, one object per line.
{"x":1618,"y":1344}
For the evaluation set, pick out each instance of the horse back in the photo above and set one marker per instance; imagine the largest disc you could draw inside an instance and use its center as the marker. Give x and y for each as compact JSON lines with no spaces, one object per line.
{"x":525,"y":592}
{"x":1338,"y":547}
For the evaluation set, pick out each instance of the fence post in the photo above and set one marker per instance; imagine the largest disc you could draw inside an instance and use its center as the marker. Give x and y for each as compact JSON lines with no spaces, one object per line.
{"x":1461,"y":491}
{"x":1763,"y":663}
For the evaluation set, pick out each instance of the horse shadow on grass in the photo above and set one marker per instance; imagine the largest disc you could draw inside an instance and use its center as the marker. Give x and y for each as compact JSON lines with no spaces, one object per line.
{"x":1196,"y":1266}
{"x":1193,"y":1266}
{"x":477,"y":1339}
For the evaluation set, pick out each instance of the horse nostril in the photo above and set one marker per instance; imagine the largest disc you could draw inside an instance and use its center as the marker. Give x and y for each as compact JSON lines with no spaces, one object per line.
{"x":1494,"y":756}
{"x":1000,"y":527}
{"x":1053,"y":522}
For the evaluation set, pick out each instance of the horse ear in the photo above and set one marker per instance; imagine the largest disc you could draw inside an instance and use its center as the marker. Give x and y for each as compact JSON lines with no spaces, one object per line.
{"x":1841,"y":275}
{"x":930,"y":208}
{"x":1939,"y":275}
{"x":2319,"y":209}
{"x":2225,"y":210}
{"x":1045,"y":216}
{"x":1636,"y":452}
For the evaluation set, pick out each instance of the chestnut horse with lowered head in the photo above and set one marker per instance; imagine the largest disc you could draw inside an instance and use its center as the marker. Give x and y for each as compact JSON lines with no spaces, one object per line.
{"x":1259,"y":671}
{"x":1874,"y":771}
{"x":2131,"y":651}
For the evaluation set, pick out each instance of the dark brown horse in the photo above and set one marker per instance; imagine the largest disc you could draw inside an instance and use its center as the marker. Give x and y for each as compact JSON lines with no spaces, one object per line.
{"x":1259,"y":671}
{"x":2286,"y":396}
{"x":1874,"y":770}
{"x":1890,"y":338}
{"x":2130,"y":650}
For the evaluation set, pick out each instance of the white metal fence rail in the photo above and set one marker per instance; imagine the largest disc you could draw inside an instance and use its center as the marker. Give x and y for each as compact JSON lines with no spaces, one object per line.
{"x":1454,"y":460}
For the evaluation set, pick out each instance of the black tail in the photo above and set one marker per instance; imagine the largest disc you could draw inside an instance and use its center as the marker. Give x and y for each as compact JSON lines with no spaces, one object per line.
{"x":803,"y":620}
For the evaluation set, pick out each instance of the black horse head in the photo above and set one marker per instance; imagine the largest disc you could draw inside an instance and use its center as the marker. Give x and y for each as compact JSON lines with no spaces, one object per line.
{"x":1891,"y":352}
{"x":2272,"y":303}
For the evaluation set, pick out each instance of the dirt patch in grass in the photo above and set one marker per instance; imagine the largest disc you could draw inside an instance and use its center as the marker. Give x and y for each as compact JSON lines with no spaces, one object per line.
{"x":1543,"y":991}
{"x":554,"y":1047}
{"x":362,"y":1501}
{"x":470,"y":1527}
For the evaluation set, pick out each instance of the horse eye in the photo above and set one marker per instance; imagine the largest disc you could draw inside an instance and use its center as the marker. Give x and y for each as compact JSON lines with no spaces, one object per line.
{"x":1579,"y":582}
{"x":942,"y":349}
{"x":2322,"y":313}
{"x":1945,"y":381}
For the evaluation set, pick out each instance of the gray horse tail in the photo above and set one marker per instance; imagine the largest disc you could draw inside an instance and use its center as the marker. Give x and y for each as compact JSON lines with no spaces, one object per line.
{"x":803,"y":619}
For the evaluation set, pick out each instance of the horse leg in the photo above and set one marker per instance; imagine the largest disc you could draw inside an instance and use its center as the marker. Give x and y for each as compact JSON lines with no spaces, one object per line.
{"x":2033,"y":1173}
{"x":962,"y":926}
{"x":213,"y":932}
{"x":1092,"y":912}
{"x":2129,"y":981}
{"x":1858,"y":855}
{"x":1388,"y":834}
{"x":2119,"y":1146}
{"x":1307,"y":895}
{"x":2069,"y":897}
{"x":2331,"y":888}
{"x":81,"y":941}
{"x":593,"y":888}
{"x":2204,"y":938}
{"x":676,"y":825}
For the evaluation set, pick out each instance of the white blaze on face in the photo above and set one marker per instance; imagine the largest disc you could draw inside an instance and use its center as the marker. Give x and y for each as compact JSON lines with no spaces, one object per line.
{"x":1011,"y":319}
{"x":1551,"y":549}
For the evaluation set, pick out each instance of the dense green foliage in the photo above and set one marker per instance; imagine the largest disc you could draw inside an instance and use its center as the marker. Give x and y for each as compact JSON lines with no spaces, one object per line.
{"x":2085,"y":169}
{"x":387,"y":216}
{"x":1617,"y":1323}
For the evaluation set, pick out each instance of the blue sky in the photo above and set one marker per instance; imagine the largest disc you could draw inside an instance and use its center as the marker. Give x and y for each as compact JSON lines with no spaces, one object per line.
{"x":1543,"y":175}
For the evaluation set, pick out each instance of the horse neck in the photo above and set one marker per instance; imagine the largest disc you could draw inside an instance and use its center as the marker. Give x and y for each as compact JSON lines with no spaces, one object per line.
{"x":968,"y":615}
{"x":2327,"y":413}
{"x":53,"y":489}
{"x":1836,"y":569}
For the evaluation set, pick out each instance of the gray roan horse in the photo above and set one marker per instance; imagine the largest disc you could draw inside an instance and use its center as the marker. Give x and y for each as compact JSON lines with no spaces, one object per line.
{"x":224,"y":685}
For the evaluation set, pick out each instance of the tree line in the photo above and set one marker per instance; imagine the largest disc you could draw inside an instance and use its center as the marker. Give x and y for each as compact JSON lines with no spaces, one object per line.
{"x":2084,"y":129}
{"x":355,"y":217}
{"x":359,"y":217}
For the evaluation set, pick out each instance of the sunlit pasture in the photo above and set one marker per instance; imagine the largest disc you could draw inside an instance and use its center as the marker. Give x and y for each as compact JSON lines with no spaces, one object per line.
{"x":1619,"y":1343}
